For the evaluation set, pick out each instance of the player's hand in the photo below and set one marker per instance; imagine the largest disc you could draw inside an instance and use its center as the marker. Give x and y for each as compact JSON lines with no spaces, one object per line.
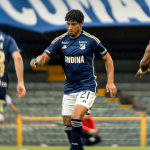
{"x":94,"y":132}
{"x":21,"y":90}
{"x":138,"y":74}
{"x":34,"y":63}
{"x":110,"y":87}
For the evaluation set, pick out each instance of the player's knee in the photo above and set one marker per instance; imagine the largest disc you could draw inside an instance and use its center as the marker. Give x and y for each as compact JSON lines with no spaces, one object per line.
{"x":78,"y":112}
{"x":78,"y":116}
{"x":68,"y":123}
{"x":1,"y":118}
{"x":67,"y":120}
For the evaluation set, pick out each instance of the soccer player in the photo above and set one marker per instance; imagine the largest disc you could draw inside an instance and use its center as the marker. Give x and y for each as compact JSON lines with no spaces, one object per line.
{"x":8,"y":47}
{"x":77,"y":50}
{"x":144,"y":63}
{"x":9,"y":102}
{"x":90,"y":134}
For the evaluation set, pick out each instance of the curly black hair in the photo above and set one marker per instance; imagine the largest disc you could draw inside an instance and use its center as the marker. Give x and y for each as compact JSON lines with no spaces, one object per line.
{"x":74,"y":15}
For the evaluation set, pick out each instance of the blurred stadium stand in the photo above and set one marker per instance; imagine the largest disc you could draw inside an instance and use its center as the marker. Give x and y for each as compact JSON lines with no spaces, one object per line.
{"x":44,"y":99}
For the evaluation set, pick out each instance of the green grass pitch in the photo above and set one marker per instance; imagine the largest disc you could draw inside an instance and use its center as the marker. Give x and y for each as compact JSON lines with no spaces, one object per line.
{"x":67,"y":148}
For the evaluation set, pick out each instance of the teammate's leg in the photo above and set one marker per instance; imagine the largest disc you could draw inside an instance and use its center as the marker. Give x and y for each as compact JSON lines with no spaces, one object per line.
{"x":2,"y":98}
{"x":2,"y":102}
{"x":1,"y":121}
{"x":1,"y":107}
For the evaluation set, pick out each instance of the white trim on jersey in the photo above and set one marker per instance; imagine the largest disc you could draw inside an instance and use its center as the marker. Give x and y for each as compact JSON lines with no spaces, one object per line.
{"x":59,"y":37}
{"x":92,"y":36}
{"x":94,"y":72}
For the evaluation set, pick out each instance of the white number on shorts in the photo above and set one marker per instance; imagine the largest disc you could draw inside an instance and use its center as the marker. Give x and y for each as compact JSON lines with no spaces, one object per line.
{"x":85,"y":94}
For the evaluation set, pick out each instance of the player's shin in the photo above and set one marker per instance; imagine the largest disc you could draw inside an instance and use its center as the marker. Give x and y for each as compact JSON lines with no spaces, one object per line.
{"x":68,"y":130}
{"x":1,"y":108}
{"x":76,"y":143}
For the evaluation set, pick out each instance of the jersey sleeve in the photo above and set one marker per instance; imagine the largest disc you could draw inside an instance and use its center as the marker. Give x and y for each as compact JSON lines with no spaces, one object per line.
{"x":99,"y":50}
{"x":53,"y":49}
{"x":12,"y":46}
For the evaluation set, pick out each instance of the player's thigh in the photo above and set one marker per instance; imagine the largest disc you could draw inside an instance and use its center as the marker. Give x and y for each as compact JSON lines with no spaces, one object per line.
{"x":78,"y":112}
{"x":68,"y":106}
{"x":84,"y":101}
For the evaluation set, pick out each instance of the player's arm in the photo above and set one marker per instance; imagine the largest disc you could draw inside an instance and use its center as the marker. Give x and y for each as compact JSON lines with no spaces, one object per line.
{"x":102,"y":53}
{"x":109,"y":67}
{"x":144,"y":63}
{"x":18,"y":62}
{"x":89,"y":130}
{"x":110,"y":87}
{"x":40,"y":60}
{"x":85,"y":128}
{"x":47,"y":54}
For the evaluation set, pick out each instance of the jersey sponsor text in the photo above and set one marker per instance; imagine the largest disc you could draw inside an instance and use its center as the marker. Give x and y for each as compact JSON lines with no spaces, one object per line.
{"x":76,"y":60}
{"x":3,"y":84}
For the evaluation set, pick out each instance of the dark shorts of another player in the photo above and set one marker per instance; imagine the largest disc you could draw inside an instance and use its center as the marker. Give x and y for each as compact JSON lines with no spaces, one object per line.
{"x":3,"y":92}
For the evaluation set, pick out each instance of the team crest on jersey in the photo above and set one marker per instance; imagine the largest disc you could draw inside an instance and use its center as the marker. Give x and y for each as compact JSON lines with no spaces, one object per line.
{"x":82,"y":46}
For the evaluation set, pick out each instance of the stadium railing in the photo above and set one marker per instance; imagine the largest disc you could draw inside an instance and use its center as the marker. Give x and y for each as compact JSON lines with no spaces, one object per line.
{"x":143,"y":121}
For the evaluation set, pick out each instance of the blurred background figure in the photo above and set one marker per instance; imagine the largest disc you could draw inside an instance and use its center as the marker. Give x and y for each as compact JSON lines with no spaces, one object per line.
{"x":144,"y":63}
{"x":8,"y":47}
{"x":1,"y":118}
{"x":12,"y":106}
{"x":90,"y":134}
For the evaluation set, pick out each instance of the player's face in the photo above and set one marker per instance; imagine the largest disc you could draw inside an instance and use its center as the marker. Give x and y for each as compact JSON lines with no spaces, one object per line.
{"x":74,"y":28}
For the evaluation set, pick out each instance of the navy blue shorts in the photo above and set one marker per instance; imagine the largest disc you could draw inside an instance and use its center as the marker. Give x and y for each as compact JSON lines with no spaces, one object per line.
{"x":3,"y":92}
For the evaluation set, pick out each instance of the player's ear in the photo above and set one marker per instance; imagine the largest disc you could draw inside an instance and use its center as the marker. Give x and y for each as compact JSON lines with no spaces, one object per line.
{"x":82,"y":23}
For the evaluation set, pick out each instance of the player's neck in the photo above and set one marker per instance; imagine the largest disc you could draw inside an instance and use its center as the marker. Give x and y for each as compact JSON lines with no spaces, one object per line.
{"x":77,"y":35}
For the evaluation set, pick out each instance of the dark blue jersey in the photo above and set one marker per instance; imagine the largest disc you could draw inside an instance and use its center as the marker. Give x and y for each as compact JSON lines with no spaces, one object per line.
{"x":77,"y":57}
{"x":7,"y":47}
